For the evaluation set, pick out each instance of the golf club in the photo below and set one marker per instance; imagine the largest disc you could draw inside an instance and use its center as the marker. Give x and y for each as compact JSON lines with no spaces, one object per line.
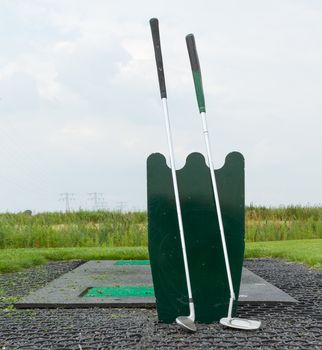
{"x":228,"y":321}
{"x":186,"y":322}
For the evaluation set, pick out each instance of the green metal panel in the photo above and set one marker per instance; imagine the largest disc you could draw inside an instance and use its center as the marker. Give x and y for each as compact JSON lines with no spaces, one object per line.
{"x":204,"y":249}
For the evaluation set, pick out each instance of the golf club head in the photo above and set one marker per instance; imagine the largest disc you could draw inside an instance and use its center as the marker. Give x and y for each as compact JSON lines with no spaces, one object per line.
{"x":240,"y":323}
{"x":186,"y":323}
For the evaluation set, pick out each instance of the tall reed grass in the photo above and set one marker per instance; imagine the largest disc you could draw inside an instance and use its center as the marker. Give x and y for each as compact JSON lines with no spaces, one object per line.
{"x":116,"y":229}
{"x":76,"y":229}
{"x":283,"y":223}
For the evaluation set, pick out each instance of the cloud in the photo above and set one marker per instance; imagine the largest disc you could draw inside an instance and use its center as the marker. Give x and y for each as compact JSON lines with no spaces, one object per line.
{"x":80,"y":101}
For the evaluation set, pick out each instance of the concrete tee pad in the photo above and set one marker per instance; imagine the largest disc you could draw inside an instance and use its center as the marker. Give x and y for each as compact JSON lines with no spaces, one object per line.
{"x":68,"y":290}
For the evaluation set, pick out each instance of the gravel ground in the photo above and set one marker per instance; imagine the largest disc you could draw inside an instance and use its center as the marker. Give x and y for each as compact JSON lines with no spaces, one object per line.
{"x":283,"y":326}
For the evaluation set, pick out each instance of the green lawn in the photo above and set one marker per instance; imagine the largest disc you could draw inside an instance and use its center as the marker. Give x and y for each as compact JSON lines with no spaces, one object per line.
{"x":12,"y":260}
{"x":308,"y":252}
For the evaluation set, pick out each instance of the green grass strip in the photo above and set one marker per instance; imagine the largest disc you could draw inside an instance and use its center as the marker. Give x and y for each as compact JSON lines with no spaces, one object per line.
{"x":307,"y":251}
{"x":12,"y":260}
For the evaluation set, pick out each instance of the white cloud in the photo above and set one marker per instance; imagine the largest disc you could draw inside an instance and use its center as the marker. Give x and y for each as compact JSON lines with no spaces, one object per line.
{"x":79,"y":91}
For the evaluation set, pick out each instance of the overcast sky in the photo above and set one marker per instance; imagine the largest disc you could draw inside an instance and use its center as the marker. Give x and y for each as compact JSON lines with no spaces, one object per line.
{"x":80,"y":107}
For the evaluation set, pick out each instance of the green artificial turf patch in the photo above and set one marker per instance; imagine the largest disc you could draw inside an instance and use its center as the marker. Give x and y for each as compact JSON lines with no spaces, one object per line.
{"x":120,"y":291}
{"x":132,"y":262}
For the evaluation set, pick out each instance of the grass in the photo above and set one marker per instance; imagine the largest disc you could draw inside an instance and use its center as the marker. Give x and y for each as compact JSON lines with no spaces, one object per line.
{"x":12,"y":260}
{"x":116,"y":229}
{"x":284,"y":223}
{"x":76,"y":229}
{"x":308,"y":252}
{"x":98,"y":235}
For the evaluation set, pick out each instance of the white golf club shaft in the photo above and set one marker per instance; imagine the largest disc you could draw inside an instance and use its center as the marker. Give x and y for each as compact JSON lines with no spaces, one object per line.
{"x":196,"y":72}
{"x":178,"y":205}
{"x":154,"y":23}
{"x":220,"y":221}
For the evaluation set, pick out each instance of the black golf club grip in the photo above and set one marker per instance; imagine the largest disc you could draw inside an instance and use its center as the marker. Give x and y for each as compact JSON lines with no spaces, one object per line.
{"x":193,"y":54}
{"x":154,"y":23}
{"x":196,"y":72}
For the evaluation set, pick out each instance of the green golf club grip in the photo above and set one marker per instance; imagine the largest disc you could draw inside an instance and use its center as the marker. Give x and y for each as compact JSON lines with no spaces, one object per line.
{"x":154,"y":23}
{"x":196,"y":72}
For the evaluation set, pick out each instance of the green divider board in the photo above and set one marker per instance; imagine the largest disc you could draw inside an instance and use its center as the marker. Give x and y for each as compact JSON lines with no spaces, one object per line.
{"x":120,"y":291}
{"x":132,"y":262}
{"x":204,"y":249}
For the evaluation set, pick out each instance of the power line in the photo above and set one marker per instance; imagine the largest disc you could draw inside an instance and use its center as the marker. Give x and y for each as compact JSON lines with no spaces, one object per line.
{"x":97,"y":199}
{"x":121,"y":206}
{"x":67,"y":197}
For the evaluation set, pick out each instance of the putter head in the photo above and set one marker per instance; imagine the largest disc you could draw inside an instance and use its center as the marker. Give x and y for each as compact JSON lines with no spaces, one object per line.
{"x":240,"y":323}
{"x":186,"y":323}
